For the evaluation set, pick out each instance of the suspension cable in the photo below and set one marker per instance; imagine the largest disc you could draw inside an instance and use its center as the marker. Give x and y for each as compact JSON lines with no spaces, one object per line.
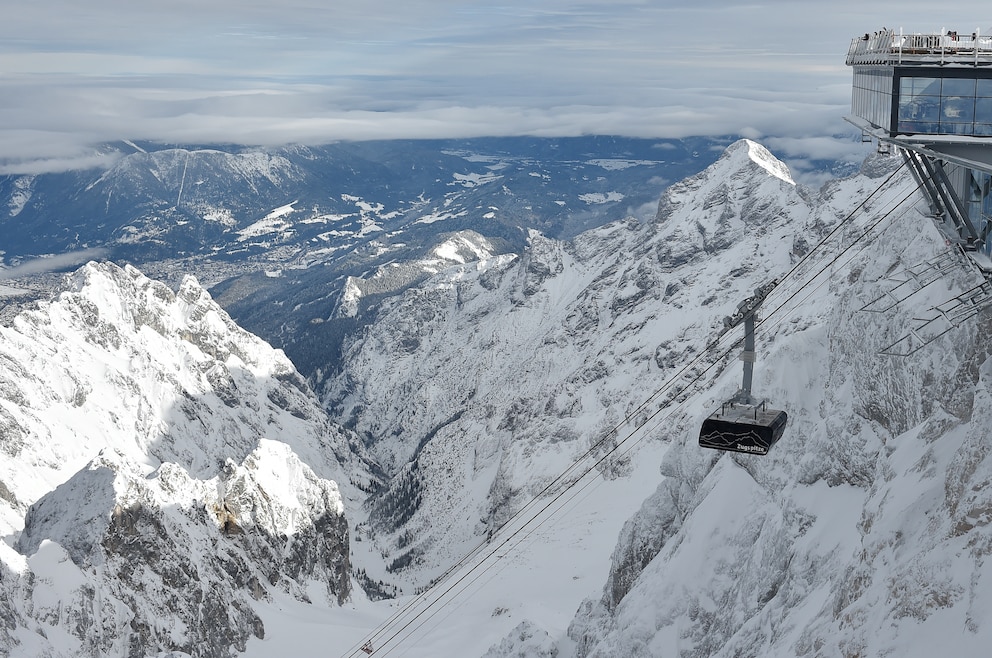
{"x":380,"y":635}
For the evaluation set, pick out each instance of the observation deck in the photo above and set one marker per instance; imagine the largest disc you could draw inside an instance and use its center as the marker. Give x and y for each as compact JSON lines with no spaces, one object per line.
{"x":930,"y":97}
{"x":887,"y":48}
{"x":923,"y":84}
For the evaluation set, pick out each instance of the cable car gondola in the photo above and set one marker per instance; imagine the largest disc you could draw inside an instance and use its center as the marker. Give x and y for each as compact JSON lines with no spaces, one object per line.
{"x":741,"y":424}
{"x":743,"y":427}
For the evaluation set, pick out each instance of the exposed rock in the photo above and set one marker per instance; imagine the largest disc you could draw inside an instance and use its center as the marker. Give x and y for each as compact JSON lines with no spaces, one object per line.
{"x":864,"y":533}
{"x":174,"y":470}
{"x":528,"y":641}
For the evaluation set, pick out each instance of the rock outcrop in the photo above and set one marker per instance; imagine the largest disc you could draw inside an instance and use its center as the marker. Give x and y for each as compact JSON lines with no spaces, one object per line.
{"x":170,"y":470}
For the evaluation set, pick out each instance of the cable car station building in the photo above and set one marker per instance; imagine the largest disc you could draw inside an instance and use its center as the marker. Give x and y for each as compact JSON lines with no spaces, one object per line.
{"x":930,"y":95}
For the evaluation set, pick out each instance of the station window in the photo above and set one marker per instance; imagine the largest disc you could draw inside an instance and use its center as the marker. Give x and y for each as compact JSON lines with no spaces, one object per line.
{"x":958,"y":87}
{"x":946,"y":106}
{"x":912,"y":87}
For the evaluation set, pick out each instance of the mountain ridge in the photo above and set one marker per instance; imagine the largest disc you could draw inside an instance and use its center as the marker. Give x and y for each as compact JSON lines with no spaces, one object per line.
{"x":470,"y":389}
{"x":271,"y":229}
{"x":588,"y":303}
{"x":793,"y":554}
{"x":165,"y":471}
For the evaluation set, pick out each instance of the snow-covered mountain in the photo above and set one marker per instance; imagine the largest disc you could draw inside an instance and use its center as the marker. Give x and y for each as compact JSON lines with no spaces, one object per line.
{"x":163,"y":471}
{"x":863,"y":533}
{"x":493,"y":375}
{"x":390,"y":278}
{"x":274,"y":234}
{"x":146,"y":435}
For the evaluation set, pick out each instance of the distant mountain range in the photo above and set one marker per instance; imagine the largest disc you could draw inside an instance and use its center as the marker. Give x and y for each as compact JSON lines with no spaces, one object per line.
{"x":275,"y":234}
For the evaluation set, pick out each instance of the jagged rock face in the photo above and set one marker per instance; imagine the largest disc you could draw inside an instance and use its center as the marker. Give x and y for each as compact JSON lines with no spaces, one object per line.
{"x":745,"y":200}
{"x":477,"y":387}
{"x":460,"y":247}
{"x":178,"y":561}
{"x":163,"y":470}
{"x":861,"y":534}
{"x":865,"y":532}
{"x":526,"y":641}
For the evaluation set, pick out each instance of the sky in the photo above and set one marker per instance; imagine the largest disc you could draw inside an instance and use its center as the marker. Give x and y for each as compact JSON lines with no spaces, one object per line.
{"x":74,"y":75}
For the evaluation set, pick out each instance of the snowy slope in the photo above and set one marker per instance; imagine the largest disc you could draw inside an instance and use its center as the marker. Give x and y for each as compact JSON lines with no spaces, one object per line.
{"x":163,"y":471}
{"x":865,"y":532}
{"x":861,"y":534}
{"x":479,"y":386}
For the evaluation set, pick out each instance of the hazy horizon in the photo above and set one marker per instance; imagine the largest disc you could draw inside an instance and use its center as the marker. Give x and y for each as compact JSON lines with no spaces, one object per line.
{"x":254,"y":73}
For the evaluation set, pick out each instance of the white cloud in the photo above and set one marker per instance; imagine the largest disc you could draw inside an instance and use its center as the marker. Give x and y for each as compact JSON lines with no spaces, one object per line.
{"x":52,"y":263}
{"x":255,"y":72}
{"x":36,"y":166}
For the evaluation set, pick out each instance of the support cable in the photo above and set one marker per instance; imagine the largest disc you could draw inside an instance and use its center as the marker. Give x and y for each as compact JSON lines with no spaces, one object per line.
{"x":382,"y":637}
{"x":511,"y":542}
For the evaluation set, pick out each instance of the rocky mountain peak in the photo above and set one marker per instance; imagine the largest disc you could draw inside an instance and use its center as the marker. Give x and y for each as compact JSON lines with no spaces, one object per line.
{"x":865,"y":525}
{"x":758,"y":155}
{"x":847,"y":539}
{"x":170,"y":469}
{"x":453,"y":249}
{"x":744,"y":186}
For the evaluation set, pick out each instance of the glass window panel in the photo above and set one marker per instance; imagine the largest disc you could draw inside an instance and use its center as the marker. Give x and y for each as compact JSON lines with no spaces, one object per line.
{"x":919,"y":87}
{"x":957,"y":109}
{"x":956,"y":128}
{"x":984,"y":88}
{"x":921,"y":108}
{"x":983,"y":129}
{"x":917,"y":127}
{"x":958,"y":87}
{"x":983,"y":110}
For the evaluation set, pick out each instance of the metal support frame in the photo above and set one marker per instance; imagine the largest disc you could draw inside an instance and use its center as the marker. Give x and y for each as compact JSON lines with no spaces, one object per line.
{"x":914,"y":279}
{"x":748,"y":356}
{"x":944,"y":201}
{"x":941,"y":319}
{"x":912,"y":159}
{"x":746,"y":313}
{"x":952,"y":200}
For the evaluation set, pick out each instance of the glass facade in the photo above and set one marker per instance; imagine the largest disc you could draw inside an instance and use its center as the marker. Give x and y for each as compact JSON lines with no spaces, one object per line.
{"x":924,"y":100}
{"x":872,"y":95}
{"x":944,"y":105}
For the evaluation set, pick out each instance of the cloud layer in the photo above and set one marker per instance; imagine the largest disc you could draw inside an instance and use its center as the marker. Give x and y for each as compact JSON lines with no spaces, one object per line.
{"x":73,"y":75}
{"x":52,"y":263}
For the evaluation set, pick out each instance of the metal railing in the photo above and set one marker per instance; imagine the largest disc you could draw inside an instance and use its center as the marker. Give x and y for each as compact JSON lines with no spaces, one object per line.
{"x":887,"y":47}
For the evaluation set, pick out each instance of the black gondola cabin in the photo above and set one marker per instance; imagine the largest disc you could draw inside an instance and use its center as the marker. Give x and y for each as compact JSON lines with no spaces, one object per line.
{"x":741,"y":427}
{"x":741,"y":424}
